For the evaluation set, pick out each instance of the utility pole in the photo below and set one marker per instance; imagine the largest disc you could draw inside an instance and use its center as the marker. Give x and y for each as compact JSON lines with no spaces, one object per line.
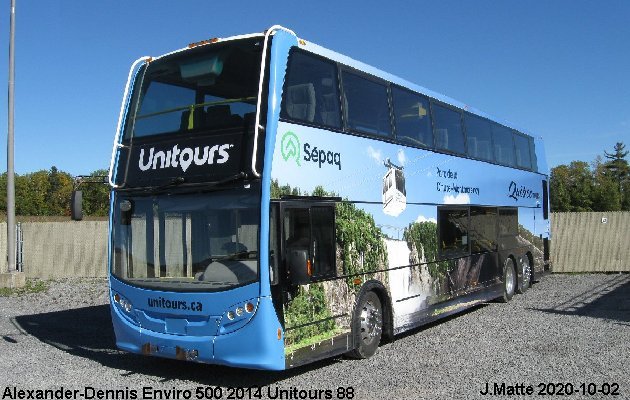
{"x":12,"y":278}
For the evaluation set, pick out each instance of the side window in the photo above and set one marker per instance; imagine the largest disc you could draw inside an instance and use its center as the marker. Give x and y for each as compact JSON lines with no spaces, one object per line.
{"x":312,"y":230}
{"x":479,"y":137}
{"x":532,"y":152}
{"x":521,"y":145}
{"x":412,"y":118}
{"x":508,"y":222}
{"x":447,"y":129}
{"x":503,"y":145}
{"x":366,"y":105}
{"x":453,"y":232}
{"x":311,"y":92}
{"x":483,"y":229}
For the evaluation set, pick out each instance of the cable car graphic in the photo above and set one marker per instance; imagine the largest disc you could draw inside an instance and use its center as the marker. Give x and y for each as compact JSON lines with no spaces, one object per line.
{"x":394,"y":192}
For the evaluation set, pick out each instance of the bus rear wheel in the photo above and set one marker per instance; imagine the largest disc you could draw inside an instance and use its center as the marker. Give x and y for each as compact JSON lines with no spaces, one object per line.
{"x":527,"y":276}
{"x":509,"y":281}
{"x":367,"y":326}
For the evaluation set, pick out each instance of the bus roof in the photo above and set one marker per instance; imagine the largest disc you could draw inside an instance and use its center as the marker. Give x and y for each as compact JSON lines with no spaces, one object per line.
{"x":327,"y":53}
{"x":343,"y":59}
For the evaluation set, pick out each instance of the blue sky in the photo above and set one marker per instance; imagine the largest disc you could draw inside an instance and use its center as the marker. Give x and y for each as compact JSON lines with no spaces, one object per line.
{"x":556,"y":69}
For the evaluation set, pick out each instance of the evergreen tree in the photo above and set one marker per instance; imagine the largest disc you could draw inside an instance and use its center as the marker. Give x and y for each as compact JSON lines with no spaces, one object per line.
{"x":620,"y":171}
{"x":606,"y":195}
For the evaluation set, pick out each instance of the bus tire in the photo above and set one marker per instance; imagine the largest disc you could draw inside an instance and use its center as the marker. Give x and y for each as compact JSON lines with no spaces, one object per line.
{"x":367,"y":326}
{"x":526,"y":271}
{"x":509,"y":281}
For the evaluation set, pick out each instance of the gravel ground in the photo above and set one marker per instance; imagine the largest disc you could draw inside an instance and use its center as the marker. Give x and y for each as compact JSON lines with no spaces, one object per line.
{"x":568,"y":329}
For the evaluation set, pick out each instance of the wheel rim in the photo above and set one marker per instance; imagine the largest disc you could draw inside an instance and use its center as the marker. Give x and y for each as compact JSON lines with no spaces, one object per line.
{"x":509,"y":279}
{"x":371,"y":319}
{"x":527,"y":274}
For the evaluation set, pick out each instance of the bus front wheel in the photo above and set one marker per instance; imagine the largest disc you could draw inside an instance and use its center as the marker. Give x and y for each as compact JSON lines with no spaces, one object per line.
{"x":509,"y":281}
{"x":367,"y":326}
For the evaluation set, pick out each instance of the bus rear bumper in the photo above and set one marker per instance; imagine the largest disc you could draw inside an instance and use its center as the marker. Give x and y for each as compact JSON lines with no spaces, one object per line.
{"x":255,"y":345}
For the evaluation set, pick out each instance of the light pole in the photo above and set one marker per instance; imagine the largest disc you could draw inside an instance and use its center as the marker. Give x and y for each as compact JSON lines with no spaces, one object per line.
{"x":10,"y":170}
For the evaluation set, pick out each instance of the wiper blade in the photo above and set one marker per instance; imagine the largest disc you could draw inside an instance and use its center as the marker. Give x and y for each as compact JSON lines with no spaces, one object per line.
{"x":181,"y":181}
{"x":173,"y":182}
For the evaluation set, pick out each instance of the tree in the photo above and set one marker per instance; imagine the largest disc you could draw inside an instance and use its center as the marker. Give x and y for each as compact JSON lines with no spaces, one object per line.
{"x":59,"y":190}
{"x":47,"y":192}
{"x":619,"y":170}
{"x":559,"y":192}
{"x":96,"y":194}
{"x":571,"y":187}
{"x":606,"y":195}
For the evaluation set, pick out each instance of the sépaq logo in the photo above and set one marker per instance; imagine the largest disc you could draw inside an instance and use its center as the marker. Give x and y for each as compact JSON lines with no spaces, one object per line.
{"x":290,"y":149}
{"x":185,"y":157}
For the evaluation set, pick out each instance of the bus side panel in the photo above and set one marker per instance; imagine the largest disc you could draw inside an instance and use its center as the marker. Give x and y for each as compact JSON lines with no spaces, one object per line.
{"x":387,"y":225}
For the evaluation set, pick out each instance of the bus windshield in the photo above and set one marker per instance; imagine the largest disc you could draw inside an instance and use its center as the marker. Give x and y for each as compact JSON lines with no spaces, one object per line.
{"x":213,"y":87}
{"x":203,"y":242}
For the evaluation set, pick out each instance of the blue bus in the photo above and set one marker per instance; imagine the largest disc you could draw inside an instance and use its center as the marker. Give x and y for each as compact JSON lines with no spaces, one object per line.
{"x":274,"y":203}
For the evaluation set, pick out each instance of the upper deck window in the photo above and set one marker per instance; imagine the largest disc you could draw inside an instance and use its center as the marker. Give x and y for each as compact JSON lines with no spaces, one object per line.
{"x":447,"y":129}
{"x":521,"y":145}
{"x":503,"y":145}
{"x":366,"y":105}
{"x":412,"y":118}
{"x":311,"y":93}
{"x":479,"y":136}
{"x":208,"y":88}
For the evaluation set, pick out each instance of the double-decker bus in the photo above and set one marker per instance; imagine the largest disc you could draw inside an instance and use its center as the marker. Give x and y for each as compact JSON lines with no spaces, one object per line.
{"x":274,"y":203}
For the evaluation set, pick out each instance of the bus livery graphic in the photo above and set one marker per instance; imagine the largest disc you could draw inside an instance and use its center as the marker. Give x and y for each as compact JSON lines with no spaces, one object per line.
{"x":290,"y":147}
{"x":222,"y":252}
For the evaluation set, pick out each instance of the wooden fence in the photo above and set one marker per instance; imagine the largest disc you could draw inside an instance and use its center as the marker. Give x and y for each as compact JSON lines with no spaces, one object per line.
{"x":590,"y":242}
{"x":581,"y":242}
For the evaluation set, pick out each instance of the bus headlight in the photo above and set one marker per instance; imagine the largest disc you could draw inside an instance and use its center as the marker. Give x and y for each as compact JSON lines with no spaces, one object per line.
{"x":237,"y":316}
{"x":125,"y":306}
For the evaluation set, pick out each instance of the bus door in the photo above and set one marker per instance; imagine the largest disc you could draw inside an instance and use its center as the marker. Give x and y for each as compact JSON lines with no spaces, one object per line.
{"x":308,"y":265}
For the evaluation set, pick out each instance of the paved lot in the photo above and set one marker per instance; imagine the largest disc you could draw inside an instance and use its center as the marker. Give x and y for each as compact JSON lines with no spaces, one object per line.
{"x":567,"y":330}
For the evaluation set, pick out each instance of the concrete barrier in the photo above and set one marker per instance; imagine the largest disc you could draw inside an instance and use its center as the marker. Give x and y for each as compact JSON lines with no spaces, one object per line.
{"x":62,"y":249}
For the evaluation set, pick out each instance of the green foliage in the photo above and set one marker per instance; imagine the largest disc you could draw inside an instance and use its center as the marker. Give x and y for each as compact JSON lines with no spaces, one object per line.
{"x":96,"y":196}
{"x":605,"y":186}
{"x":307,"y":306}
{"x":277,"y":191}
{"x":361,"y":241}
{"x":32,"y":286}
{"x":424,"y":236}
{"x":605,"y":196}
{"x":47,"y":193}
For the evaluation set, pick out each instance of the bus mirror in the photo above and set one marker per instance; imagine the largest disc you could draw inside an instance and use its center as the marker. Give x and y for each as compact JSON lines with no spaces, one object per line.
{"x":299,"y":266}
{"x":76,"y":205}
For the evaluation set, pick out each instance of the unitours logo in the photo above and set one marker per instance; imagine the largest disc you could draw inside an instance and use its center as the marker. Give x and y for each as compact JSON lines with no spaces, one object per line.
{"x":184,"y":158}
{"x":290,"y":149}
